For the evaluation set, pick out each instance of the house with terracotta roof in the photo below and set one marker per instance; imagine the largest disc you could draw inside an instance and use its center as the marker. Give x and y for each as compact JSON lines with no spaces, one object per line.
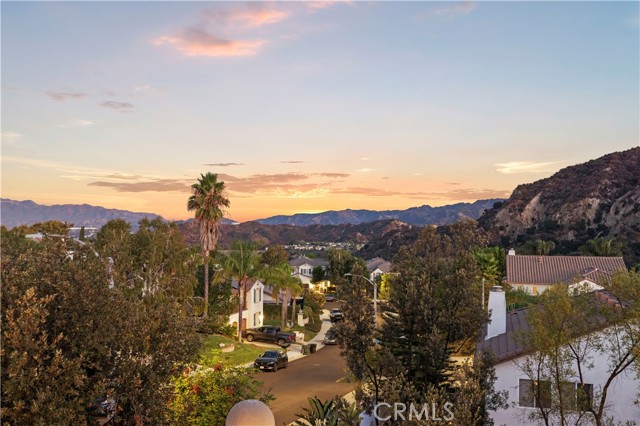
{"x":535,"y":274}
{"x":506,"y":337}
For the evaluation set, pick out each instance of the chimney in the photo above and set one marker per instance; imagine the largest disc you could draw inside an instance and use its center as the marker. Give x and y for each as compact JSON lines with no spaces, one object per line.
{"x":498,"y":312}
{"x":512,"y":252}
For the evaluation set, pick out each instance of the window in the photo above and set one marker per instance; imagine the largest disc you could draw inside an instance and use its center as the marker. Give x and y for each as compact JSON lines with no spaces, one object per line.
{"x":534,"y":290}
{"x":575,"y":396}
{"x":256,"y":318}
{"x":255,"y":296}
{"x":534,"y":393}
{"x":584,"y":396}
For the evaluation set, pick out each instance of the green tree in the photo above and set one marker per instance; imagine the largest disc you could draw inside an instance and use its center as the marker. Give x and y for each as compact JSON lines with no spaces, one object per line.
{"x":208,"y":201}
{"x":601,"y":246}
{"x":340,"y":263}
{"x":282,"y":282}
{"x":275,"y":255}
{"x":566,"y":335}
{"x":243,"y":264}
{"x":436,"y":312}
{"x":70,"y":336}
{"x":317,"y":274}
{"x":538,"y":247}
{"x":82,"y":237}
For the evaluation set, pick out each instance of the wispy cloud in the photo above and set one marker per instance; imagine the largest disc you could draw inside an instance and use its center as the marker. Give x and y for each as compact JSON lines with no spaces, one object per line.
{"x":224,"y":30}
{"x":117,"y":106}
{"x":11,"y":138}
{"x":323,"y":4}
{"x":526,"y":167}
{"x":65,"y":96}
{"x":199,"y":42}
{"x":365,"y":170}
{"x":292,"y":162}
{"x":251,"y":15}
{"x":455,"y":9}
{"x":158,"y":185}
{"x":76,"y":124}
{"x":223,"y":164}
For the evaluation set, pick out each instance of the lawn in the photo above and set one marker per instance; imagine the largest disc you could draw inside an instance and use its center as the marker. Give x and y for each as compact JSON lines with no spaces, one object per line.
{"x":242,"y":354}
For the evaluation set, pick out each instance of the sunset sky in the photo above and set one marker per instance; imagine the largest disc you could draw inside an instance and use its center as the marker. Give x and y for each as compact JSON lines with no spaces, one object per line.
{"x":309,"y":106}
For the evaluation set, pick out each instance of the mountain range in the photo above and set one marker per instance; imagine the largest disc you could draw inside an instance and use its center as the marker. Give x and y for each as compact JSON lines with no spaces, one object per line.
{"x":423,"y":215}
{"x":15,"y":213}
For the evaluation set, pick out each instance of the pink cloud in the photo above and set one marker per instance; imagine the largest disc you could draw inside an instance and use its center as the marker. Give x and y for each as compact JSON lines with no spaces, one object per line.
{"x":254,"y":15}
{"x":198,"y":42}
{"x":323,"y":4}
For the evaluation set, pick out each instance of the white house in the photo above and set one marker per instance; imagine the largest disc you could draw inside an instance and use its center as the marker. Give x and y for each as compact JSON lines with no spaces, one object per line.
{"x":304,"y":266}
{"x":377,"y":267}
{"x":253,"y":312}
{"x":504,"y":338}
{"x":535,"y":274}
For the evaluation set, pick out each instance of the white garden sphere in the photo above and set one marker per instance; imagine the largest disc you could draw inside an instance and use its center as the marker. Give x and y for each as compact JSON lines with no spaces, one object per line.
{"x":250,"y":412}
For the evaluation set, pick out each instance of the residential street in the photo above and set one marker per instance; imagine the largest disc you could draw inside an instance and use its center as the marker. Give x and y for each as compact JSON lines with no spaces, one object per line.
{"x":313,"y":375}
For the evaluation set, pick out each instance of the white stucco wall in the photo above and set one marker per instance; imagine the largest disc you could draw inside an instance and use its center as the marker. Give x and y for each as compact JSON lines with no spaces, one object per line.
{"x":620,"y":399}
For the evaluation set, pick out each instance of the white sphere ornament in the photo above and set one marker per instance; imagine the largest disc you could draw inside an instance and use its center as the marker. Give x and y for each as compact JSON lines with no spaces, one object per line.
{"x":250,"y":412}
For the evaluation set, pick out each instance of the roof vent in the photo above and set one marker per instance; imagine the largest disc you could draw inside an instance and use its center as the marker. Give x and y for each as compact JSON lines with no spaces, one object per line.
{"x":512,"y":252}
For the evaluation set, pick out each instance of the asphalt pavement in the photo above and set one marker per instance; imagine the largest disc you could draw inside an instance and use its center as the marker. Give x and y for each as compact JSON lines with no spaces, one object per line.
{"x":316,"y":374}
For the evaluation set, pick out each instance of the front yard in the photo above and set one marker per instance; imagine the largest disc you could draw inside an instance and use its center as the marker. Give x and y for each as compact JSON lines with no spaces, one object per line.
{"x":243,"y":353}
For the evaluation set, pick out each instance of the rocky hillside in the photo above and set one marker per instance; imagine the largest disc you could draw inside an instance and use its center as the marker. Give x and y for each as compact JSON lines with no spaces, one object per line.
{"x":423,"y":215}
{"x":599,"y":197}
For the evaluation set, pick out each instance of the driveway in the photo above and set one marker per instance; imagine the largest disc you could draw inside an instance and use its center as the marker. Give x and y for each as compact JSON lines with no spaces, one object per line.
{"x":313,"y":375}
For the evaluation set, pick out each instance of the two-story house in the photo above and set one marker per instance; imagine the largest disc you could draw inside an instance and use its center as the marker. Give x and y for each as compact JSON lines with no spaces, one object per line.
{"x":253,"y":312}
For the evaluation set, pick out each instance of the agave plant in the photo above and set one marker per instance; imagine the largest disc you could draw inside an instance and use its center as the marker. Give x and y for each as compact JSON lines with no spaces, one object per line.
{"x":319,"y":414}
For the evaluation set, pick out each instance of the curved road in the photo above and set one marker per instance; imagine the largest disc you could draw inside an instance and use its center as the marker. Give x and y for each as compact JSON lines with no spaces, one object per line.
{"x":313,"y":375}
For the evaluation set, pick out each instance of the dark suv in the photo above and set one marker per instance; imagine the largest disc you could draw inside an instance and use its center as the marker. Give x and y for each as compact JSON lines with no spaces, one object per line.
{"x":336,"y":315}
{"x":272,"y":360}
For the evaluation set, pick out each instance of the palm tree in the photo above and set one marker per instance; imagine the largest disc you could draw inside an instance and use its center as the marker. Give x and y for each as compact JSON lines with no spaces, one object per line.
{"x":280,"y":278}
{"x":243,"y":263}
{"x":601,"y":246}
{"x":208,"y":200}
{"x":295,"y":291}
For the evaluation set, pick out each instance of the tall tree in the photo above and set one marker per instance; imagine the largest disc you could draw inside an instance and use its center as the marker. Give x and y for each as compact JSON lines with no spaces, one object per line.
{"x":82,"y":236}
{"x":437,"y":312}
{"x":282,"y":282}
{"x":208,"y":200}
{"x":70,"y":336}
{"x":243,"y":263}
{"x":275,"y":255}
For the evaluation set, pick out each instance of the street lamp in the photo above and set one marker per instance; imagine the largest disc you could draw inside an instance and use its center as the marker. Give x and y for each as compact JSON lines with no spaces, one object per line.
{"x":375,"y":297}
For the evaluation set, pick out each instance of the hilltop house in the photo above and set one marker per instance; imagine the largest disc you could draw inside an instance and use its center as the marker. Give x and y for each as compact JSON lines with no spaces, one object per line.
{"x":506,"y":338}
{"x":253,"y":312}
{"x":378,"y":267}
{"x":535,"y":274}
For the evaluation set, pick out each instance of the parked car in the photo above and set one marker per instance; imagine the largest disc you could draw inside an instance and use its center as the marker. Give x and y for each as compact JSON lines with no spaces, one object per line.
{"x":330,"y":337}
{"x":271,"y":360}
{"x":336,"y":315}
{"x":269,"y":333}
{"x":330,"y":297}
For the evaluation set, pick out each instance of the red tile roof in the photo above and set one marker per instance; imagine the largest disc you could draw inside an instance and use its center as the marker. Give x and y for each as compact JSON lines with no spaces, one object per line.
{"x":561,"y":269}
